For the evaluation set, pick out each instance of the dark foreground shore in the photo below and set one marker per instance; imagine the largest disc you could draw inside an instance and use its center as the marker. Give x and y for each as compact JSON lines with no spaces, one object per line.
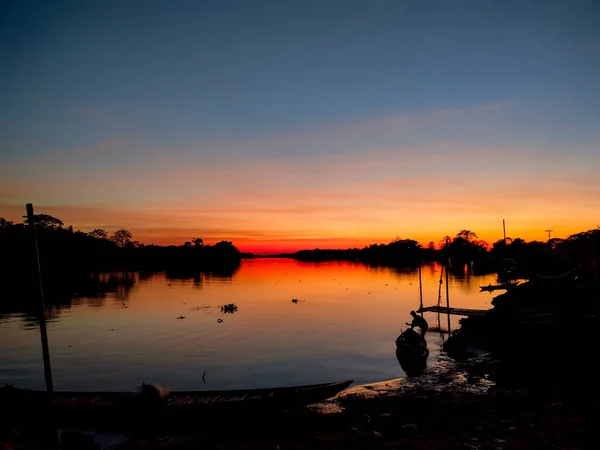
{"x":453,"y":405}
{"x":522,"y":377}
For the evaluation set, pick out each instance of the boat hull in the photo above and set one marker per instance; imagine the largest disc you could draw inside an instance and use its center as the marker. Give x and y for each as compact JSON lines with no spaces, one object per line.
{"x":124,"y":410}
{"x":412,"y":352}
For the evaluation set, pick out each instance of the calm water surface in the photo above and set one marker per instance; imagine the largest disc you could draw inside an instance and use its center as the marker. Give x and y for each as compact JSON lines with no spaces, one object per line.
{"x":343,"y":326}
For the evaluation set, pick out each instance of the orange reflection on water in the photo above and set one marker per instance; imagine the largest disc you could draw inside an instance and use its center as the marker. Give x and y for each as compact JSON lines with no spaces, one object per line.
{"x":157,"y":328}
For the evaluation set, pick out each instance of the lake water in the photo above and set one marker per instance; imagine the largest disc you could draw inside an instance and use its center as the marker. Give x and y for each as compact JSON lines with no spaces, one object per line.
{"x":173,"y":331}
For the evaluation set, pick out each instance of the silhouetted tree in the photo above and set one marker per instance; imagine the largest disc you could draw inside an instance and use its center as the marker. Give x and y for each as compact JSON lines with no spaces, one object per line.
{"x":98,"y":233}
{"x":445,"y":242}
{"x":4,"y":223}
{"x":45,"y":221}
{"x":466,"y":246}
{"x":467,"y":235}
{"x":121,"y":238}
{"x":198,"y":242}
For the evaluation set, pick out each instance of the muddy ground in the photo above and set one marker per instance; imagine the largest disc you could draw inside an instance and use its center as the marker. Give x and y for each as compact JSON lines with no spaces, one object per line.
{"x":453,"y":405}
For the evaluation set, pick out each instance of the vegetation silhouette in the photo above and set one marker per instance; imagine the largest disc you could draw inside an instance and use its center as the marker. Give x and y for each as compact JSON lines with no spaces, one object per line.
{"x":513,"y":258}
{"x":71,"y":261}
{"x":66,"y":250}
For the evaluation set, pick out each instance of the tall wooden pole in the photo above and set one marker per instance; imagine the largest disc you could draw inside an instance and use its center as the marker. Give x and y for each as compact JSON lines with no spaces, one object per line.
{"x":42,"y":313}
{"x":504,"y":228}
{"x":420,"y":292}
{"x":448,"y":301}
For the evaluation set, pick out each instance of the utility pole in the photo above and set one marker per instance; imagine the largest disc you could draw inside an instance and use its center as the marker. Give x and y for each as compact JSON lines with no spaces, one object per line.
{"x":548,"y":231}
{"x":42,"y":313}
{"x":504,"y":228}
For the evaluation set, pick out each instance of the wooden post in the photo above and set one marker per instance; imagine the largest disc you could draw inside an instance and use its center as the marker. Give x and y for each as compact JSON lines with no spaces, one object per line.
{"x":42,"y":313}
{"x":448,"y":301}
{"x":420,"y":292}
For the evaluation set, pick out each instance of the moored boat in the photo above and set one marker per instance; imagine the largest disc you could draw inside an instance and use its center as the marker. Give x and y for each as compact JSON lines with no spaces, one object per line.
{"x":495,"y":287}
{"x":411,"y":352}
{"x":85,"y":408}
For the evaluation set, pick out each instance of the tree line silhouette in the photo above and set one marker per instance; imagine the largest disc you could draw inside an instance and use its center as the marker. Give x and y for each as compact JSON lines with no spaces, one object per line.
{"x":466,"y":248}
{"x":67,"y":253}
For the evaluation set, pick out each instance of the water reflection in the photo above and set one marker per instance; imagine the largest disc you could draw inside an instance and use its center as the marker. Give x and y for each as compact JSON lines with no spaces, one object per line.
{"x":119,"y":329}
{"x":94,"y":291}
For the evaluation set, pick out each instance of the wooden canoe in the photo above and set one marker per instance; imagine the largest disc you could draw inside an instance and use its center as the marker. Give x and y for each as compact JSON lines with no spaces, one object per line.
{"x":84,"y":408}
{"x":492,"y":287}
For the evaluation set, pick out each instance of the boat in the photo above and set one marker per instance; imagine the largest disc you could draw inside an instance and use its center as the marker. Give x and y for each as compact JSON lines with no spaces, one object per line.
{"x":101,"y":408}
{"x":412,"y":343}
{"x":411,"y":352}
{"x":411,"y":346}
{"x":495,"y":287}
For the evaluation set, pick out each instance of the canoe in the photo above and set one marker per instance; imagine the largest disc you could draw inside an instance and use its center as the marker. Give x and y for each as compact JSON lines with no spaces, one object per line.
{"x":411,"y":352}
{"x":83,"y":408}
{"x":411,"y":343}
{"x":492,"y":287}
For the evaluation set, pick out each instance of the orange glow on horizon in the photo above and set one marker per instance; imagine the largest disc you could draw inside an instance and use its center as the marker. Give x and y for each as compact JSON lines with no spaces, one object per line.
{"x":273,"y":233}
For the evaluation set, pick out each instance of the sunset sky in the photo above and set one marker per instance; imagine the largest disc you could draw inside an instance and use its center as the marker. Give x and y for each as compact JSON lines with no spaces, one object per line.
{"x":282,"y":125}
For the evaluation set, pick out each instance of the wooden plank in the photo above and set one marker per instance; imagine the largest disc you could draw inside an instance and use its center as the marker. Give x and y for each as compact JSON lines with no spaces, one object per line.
{"x":455,"y":311}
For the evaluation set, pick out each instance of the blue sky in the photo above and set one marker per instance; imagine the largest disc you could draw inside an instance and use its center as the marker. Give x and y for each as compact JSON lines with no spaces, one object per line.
{"x":98,"y":88}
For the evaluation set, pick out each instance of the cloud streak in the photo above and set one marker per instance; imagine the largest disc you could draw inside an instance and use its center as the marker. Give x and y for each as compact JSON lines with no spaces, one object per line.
{"x":347,"y":182}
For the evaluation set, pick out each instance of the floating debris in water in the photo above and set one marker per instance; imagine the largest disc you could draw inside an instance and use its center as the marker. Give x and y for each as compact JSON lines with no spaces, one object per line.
{"x":219,"y":320}
{"x":181,"y":317}
{"x":229,"y":308}
{"x":294,"y":300}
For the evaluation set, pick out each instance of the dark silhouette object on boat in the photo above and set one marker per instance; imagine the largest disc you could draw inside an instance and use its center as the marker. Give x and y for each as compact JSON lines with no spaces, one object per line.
{"x":411,"y":352}
{"x":420,"y":322}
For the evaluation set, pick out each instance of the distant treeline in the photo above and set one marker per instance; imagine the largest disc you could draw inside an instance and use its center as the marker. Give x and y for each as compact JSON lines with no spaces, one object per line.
{"x":65,"y":252}
{"x":466,"y":248}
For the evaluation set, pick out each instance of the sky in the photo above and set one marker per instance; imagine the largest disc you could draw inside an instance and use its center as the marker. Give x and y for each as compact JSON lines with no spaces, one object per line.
{"x":283,"y":125}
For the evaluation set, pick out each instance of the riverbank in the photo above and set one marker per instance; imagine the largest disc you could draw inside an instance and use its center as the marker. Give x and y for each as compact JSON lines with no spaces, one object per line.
{"x":532,"y":387}
{"x":452,"y":406}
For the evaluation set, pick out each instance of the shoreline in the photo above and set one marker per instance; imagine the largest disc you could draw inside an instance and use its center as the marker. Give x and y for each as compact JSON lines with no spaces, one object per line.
{"x":453,"y":404}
